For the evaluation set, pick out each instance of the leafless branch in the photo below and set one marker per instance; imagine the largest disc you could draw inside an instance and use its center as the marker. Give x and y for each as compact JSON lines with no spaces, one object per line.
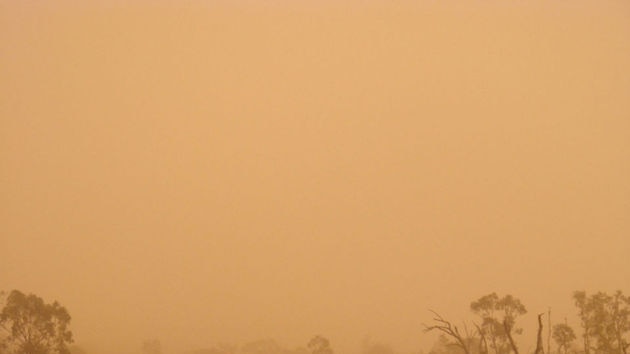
{"x":447,"y":328}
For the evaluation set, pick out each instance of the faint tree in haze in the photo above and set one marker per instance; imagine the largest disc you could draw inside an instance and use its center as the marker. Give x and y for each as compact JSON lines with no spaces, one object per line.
{"x":444,"y":345}
{"x":605,"y":321}
{"x":298,"y":350}
{"x":152,"y":346}
{"x":319,"y":345}
{"x":34,"y":327}
{"x":269,"y":346}
{"x":563,"y":335}
{"x":263,"y":346}
{"x":221,"y":348}
{"x":370,"y":347}
{"x":498,"y":319}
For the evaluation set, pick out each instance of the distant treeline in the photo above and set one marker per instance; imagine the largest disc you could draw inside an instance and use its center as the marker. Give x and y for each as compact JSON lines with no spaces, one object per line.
{"x":29,"y":325}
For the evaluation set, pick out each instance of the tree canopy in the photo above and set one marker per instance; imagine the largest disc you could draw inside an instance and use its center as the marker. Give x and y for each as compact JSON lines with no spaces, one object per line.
{"x":33,"y":326}
{"x":498,"y":318}
{"x":319,"y":345}
{"x":605,"y":321}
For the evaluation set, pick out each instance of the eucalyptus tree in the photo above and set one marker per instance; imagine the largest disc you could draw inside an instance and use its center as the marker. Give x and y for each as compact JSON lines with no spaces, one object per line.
{"x":605,"y":321}
{"x":563,"y":335}
{"x":32,"y":326}
{"x":498,"y":320}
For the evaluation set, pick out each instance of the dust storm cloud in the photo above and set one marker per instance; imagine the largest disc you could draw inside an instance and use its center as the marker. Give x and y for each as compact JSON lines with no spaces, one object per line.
{"x":229,"y":171}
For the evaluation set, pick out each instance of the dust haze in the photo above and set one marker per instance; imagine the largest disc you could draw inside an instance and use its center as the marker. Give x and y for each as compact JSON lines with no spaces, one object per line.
{"x":183,"y":176}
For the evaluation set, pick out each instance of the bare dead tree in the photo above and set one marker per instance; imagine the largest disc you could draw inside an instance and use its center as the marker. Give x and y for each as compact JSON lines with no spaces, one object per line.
{"x":549,"y":331}
{"x":450,"y":330}
{"x":539,"y":342}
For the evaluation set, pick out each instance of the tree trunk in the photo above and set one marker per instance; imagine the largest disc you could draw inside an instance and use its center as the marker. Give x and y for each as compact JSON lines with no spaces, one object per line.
{"x":587,"y":343}
{"x":549,"y":332}
{"x":483,"y":344}
{"x":494,"y":345}
{"x":508,"y":332}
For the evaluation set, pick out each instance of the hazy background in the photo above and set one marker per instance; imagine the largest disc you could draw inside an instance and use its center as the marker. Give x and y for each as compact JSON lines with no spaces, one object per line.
{"x":234,"y":170}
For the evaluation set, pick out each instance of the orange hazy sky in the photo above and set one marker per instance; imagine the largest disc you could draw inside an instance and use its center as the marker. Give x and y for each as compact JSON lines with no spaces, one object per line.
{"x":215,"y":171}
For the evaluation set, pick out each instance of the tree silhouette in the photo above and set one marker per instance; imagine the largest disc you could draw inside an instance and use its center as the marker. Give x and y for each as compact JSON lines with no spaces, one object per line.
{"x":605,"y":321}
{"x":498,"y":316}
{"x":34,"y":327}
{"x":319,"y":345}
{"x":563,"y":335}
